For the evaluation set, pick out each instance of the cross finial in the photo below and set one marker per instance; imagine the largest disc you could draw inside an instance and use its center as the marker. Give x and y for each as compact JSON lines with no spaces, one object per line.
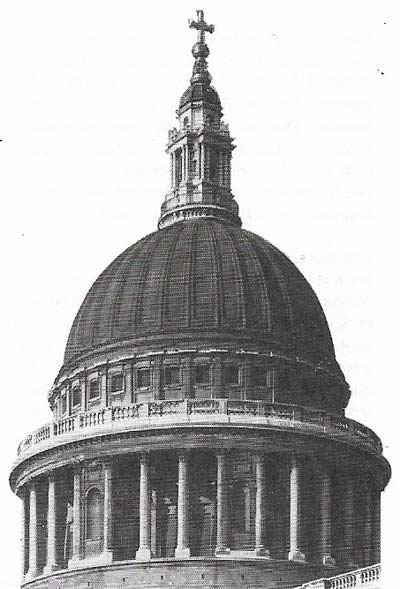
{"x":201,"y":25}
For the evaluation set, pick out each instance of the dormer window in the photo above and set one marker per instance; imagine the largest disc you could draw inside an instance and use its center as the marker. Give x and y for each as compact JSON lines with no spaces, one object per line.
{"x":76,"y":396}
{"x":94,"y":389}
{"x":117,"y":383}
{"x":143,"y":378}
{"x":171,"y":375}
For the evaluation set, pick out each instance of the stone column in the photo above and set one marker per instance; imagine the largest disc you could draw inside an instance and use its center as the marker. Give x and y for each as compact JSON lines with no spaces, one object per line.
{"x":222,"y":504}
{"x":23,"y":534}
{"x":108,"y":515}
{"x":84,"y":392}
{"x":295,"y":516}
{"x":187,"y":377}
{"x":144,"y":550}
{"x":76,"y":523}
{"x":182,"y":549}
{"x":325,"y":519}
{"x":51,"y":559}
{"x":218,"y":377}
{"x":260,"y":507}
{"x":348,"y":528}
{"x":32,"y":570}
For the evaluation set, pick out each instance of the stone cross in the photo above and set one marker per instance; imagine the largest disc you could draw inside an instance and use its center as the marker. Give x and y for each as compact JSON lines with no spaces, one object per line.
{"x":201,"y":25}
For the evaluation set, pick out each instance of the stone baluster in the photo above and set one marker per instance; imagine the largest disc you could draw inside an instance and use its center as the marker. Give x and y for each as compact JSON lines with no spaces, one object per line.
{"x":325,"y":519}
{"x":295,"y":512}
{"x":144,"y":551}
{"x":348,"y":528}
{"x":76,"y":523}
{"x":32,"y":570}
{"x":260,"y":507}
{"x":23,"y":534}
{"x":182,"y":549}
{"x":51,"y":559}
{"x":222,"y":504}
{"x":108,"y":514}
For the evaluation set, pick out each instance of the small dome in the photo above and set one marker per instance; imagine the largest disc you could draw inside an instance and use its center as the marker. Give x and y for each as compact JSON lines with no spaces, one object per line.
{"x":204,"y":276}
{"x":200,"y":92}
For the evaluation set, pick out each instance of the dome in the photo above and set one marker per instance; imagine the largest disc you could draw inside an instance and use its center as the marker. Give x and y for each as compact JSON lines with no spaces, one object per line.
{"x":200,"y":91}
{"x":204,"y":276}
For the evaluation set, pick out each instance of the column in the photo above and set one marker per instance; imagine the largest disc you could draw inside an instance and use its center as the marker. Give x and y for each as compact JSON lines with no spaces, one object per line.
{"x":108,"y":515}
{"x":76,"y":523}
{"x":51,"y":560}
{"x":218,"y":377}
{"x":32,"y":570}
{"x":222,"y":504}
{"x":325,"y":519}
{"x":182,"y":549}
{"x":295,"y":554}
{"x":103,"y":375}
{"x":187,"y":380}
{"x":23,"y":534}
{"x":68,"y":392}
{"x":348,"y":524}
{"x":84,"y":391}
{"x":260,"y":507}
{"x":144,"y":550}
{"x":367,"y":535}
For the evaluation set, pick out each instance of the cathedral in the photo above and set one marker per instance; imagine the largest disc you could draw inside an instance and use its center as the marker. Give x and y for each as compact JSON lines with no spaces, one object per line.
{"x":199,"y":435}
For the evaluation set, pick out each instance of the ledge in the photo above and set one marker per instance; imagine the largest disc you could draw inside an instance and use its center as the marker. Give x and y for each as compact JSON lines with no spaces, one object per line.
{"x":200,"y":412}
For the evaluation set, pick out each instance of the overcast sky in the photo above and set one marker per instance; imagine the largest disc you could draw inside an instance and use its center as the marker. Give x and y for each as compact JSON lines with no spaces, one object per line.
{"x":88,"y":93}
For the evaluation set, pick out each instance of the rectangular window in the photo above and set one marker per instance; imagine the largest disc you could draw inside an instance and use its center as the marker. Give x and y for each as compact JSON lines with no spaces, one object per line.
{"x":117,"y":382}
{"x":232,"y":374}
{"x":202,"y":374}
{"x":171,"y":375}
{"x":259,"y":376}
{"x":94,"y":389}
{"x":76,"y":396}
{"x":143,"y":378}
{"x":63,"y":408}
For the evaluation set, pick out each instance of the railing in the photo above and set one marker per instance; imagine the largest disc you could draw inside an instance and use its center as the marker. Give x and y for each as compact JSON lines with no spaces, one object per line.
{"x":366,"y":578}
{"x":274,"y":415}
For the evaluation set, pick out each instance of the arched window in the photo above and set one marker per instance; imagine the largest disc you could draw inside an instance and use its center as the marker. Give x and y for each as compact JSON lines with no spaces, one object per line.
{"x":94,"y":514}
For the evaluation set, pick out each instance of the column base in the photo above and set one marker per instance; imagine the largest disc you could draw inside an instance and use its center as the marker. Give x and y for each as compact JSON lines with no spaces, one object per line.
{"x":182,"y":552}
{"x":296,"y":556}
{"x":30,"y":575}
{"x":261,"y":551}
{"x":143,"y":554}
{"x":222,"y":550}
{"x":328,"y":560}
{"x":50,"y":568}
{"x":74,"y":563}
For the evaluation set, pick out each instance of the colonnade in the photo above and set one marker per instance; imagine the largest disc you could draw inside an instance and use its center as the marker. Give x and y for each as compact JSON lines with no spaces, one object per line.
{"x":182,"y":550}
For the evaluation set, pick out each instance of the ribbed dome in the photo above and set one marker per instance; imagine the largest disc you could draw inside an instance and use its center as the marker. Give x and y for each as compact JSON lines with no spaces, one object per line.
{"x":203,"y":276}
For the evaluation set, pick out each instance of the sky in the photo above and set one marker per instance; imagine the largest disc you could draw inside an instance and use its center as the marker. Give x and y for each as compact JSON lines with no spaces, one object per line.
{"x":88,"y":93}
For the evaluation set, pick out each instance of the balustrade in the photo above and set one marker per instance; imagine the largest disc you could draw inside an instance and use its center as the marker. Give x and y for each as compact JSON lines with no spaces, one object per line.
{"x":293,"y":416}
